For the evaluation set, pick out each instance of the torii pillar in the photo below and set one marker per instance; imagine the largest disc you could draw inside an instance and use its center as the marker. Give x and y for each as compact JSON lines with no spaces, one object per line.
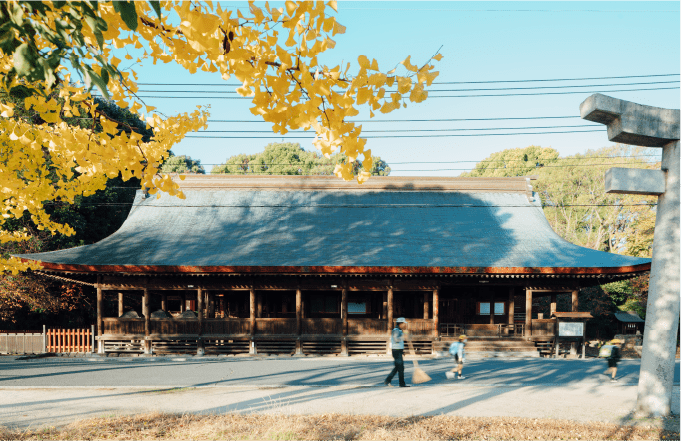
{"x":635,"y":124}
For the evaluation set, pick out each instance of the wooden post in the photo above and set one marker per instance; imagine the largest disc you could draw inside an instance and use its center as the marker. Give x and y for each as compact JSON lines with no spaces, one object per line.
{"x":199,"y":309}
{"x":384,"y":311}
{"x":511,"y":306}
{"x":222,"y":306}
{"x":164,"y":302}
{"x":183,"y":303}
{"x":436,"y":313}
{"x":299,"y":321}
{"x":252,"y":309}
{"x":259,"y":300}
{"x":426,"y":305}
{"x":211,"y":305}
{"x":120,"y":304}
{"x":147,"y":321}
{"x":344,"y":320}
{"x":528,"y":312}
{"x":100,"y":321}
{"x":390,"y":316}
{"x":491,"y":307}
{"x":554,"y":298}
{"x":575,"y":300}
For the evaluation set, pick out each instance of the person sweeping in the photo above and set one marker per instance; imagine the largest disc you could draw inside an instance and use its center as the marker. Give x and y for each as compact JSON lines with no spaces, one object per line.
{"x":397,"y":347}
{"x":456,"y":349}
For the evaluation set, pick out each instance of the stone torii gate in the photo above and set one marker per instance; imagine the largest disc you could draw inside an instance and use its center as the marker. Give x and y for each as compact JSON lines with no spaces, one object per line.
{"x":635,"y":124}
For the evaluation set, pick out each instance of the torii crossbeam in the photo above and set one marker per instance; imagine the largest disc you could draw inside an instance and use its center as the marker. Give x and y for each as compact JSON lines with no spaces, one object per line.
{"x":635,"y":124}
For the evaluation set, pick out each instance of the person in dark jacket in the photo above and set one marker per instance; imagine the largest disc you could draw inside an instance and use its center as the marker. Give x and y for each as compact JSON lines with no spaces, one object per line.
{"x":615,"y":355}
{"x":397,"y":346}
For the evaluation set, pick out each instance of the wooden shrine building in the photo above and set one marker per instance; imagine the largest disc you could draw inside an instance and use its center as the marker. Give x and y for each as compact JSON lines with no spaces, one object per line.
{"x":309,"y":264}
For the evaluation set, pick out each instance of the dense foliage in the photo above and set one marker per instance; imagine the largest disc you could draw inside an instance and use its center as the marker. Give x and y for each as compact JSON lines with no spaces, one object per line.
{"x":572,"y":192}
{"x":291,"y":159}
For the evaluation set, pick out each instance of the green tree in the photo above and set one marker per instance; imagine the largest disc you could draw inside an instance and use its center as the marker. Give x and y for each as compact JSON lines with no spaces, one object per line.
{"x":572,"y":192}
{"x":291,"y":159}
{"x":182,"y":164}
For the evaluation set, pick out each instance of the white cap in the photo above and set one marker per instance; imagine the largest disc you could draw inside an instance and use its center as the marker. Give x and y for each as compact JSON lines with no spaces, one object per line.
{"x":401,"y":320}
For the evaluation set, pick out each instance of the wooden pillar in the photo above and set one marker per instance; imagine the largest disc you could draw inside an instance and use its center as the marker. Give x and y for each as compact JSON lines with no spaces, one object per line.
{"x":426,"y":305}
{"x":554,"y":298}
{"x":575,"y":308}
{"x":299,"y":321}
{"x":183,"y":302}
{"x":200,"y":297}
{"x":164,"y":302}
{"x":511,"y":306}
{"x":259,"y":300}
{"x":252,"y":316}
{"x":120,"y":304}
{"x":436,"y":313}
{"x":145,"y":305}
{"x":390,"y":316}
{"x":344,"y":320}
{"x":528,"y":312}
{"x":211,"y":305}
{"x":391,"y":319}
{"x":147,"y":321}
{"x":100,"y":310}
{"x":222,"y":306}
{"x":384,"y":311}
{"x":491,"y":307}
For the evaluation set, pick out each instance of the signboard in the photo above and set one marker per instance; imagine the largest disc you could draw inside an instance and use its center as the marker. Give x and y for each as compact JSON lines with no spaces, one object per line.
{"x":570,"y":329}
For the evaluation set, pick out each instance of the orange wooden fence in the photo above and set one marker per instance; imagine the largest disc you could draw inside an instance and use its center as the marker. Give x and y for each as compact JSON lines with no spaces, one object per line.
{"x":69,"y":340}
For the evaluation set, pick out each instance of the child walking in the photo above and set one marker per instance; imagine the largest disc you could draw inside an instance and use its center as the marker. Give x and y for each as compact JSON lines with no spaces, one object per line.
{"x":456,"y":349}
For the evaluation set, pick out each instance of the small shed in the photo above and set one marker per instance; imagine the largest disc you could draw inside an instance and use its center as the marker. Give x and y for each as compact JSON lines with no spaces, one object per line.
{"x":628,"y":322}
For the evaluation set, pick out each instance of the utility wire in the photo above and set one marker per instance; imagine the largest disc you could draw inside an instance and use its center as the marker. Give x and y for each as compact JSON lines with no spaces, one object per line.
{"x":430,"y":96}
{"x":405,"y":120}
{"x":442,"y":90}
{"x":417,"y":130}
{"x":396,"y":136}
{"x":448,"y":82}
{"x":355,"y":206}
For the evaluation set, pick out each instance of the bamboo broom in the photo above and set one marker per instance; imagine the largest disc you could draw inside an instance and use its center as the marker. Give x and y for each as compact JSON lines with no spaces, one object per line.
{"x":419,"y":375}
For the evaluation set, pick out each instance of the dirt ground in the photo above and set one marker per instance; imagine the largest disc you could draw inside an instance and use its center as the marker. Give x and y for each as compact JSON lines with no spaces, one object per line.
{"x":334,"y":427}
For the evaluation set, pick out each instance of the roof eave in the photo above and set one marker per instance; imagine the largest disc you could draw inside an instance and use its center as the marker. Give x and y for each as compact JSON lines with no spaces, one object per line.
{"x":374,"y":270}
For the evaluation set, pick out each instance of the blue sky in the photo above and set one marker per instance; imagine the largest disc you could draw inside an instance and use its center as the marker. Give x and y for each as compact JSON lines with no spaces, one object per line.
{"x":481,"y":41}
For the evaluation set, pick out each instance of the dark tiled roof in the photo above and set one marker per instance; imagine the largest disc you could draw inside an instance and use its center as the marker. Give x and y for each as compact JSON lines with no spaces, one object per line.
{"x":325,"y":225}
{"x":628,"y":317}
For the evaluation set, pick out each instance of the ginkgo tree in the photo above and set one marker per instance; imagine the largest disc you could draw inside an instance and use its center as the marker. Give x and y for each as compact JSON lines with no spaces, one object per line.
{"x":53,"y":53}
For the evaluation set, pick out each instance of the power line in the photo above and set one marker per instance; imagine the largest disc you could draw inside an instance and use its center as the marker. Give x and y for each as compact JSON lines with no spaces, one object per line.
{"x":448,"y":82}
{"x":407,"y":120}
{"x":369,"y":206}
{"x":430,"y":96}
{"x":441,"y":90}
{"x":416,"y":130}
{"x":397,"y":136}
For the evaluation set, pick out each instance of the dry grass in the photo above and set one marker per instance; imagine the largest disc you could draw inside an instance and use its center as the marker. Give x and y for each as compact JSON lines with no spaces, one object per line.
{"x":334,"y":427}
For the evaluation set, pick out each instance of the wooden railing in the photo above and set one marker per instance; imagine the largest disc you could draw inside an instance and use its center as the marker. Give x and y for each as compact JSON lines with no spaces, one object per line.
{"x":365,"y":326}
{"x":500,"y":329}
{"x":421,"y":327}
{"x":119,"y":326}
{"x":232,"y":326}
{"x":275,"y":326}
{"x":69,"y":340}
{"x":174,"y":327}
{"x":322,"y":326}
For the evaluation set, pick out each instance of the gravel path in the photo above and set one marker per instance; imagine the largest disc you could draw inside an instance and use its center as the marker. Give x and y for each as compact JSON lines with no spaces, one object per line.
{"x":55,"y":391}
